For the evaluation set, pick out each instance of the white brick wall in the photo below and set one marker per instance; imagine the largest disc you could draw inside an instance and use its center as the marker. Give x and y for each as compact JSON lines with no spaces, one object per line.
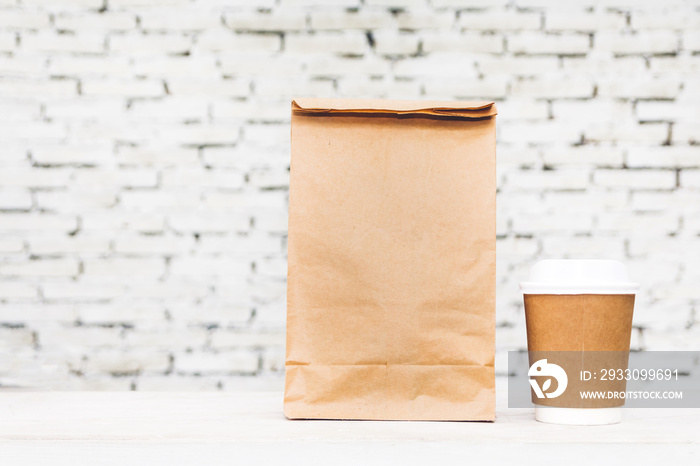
{"x":144,"y":165}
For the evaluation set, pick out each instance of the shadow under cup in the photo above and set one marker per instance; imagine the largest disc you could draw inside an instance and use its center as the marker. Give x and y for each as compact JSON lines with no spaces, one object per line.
{"x":579,"y":316}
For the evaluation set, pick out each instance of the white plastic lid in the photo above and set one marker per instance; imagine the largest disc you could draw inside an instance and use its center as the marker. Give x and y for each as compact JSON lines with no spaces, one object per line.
{"x":579,"y":276}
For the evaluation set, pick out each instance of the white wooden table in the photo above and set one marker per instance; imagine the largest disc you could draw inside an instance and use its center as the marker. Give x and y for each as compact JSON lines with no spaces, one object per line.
{"x":134,"y":428}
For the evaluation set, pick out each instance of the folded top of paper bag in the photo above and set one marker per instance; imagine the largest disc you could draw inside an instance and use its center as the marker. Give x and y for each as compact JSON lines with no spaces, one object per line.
{"x":443,"y":109}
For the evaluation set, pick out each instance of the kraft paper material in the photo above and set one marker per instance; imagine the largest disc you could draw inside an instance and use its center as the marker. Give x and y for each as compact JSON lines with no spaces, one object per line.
{"x":391,"y":260}
{"x":592,"y":331}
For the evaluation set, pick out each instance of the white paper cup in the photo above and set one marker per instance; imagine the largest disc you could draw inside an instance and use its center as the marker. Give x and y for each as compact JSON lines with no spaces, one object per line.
{"x":554,"y":287}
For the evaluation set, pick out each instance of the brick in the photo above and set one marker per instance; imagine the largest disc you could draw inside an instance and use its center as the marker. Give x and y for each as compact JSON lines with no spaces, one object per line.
{"x":56,"y":245}
{"x":128,"y":362}
{"x":627,"y":132}
{"x":395,"y":3}
{"x":271,"y":220}
{"x":225,"y":40}
{"x":11,"y":246}
{"x":85,"y":108}
{"x":226,"y":179}
{"x":348,"y":43}
{"x":151,"y":245}
{"x":553,"y":88}
{"x":499,"y":21}
{"x":236,"y":362}
{"x":41,"y":268}
{"x":37,"y":222}
{"x":637,"y":179}
{"x":178,"y":20}
{"x":584,"y":22}
{"x":200,"y":134}
{"x":252,"y":244}
{"x":80,"y":291}
{"x":524,"y":223}
{"x":250,"y":111}
{"x":8,"y":41}
{"x":212,"y":222}
{"x":44,"y":87}
{"x":667,"y":111}
{"x":245,"y":201}
{"x":220,"y":312}
{"x":170,"y":383}
{"x":123,"y":267}
{"x":134,"y":178}
{"x":83,"y":154}
{"x":209,"y":88}
{"x":163,"y":156}
{"x":554,"y":179}
{"x":319,"y":3}
{"x":247,"y":339}
{"x":183,"y":289}
{"x":135,"y":44}
{"x":22,"y":67}
{"x":557,"y":247}
{"x":674,"y":20}
{"x":75,"y":202}
{"x":330,"y":19}
{"x":104,"y":221}
{"x":209,"y":266}
{"x":34,"y":132}
{"x":517,"y":66}
{"x":14,"y":338}
{"x":537,"y":43}
{"x":123,"y":88}
{"x":16,"y":290}
{"x":60,"y":43}
{"x":673,"y":65}
{"x":15,"y":199}
{"x":690,"y":179}
{"x":56,"y":336}
{"x":392,"y":43}
{"x":592,"y":110}
{"x":643,"y":88}
{"x":65,"y":4}
{"x":437,"y":65}
{"x":146,"y":3}
{"x":583,"y":156}
{"x":423,"y":18}
{"x":638,"y":225}
{"x":686,"y":133}
{"x":279,"y":20}
{"x":286,"y":88}
{"x":170,"y":108}
{"x":465,"y":43}
{"x":652,"y":42}
{"x":362,"y":87}
{"x":259,"y":65}
{"x":176,"y":67}
{"x":540,"y":133}
{"x":658,"y":201}
{"x":167,"y":337}
{"x":664,"y":157}
{"x":89,"y":67}
{"x":691,"y":41}
{"x":169,"y":199}
{"x":105,"y":21}
{"x":457,"y":89}
{"x":605,"y":64}
{"x":23,"y":19}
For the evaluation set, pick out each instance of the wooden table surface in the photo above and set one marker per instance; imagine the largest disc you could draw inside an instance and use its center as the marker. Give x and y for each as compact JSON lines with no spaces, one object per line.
{"x":239,"y":428}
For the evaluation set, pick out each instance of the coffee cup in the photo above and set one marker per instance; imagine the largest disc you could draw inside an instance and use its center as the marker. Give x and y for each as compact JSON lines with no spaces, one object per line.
{"x":579,"y":317}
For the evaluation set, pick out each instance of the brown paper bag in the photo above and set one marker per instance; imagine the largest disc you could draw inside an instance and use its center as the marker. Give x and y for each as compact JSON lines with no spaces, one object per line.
{"x":391,"y":253}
